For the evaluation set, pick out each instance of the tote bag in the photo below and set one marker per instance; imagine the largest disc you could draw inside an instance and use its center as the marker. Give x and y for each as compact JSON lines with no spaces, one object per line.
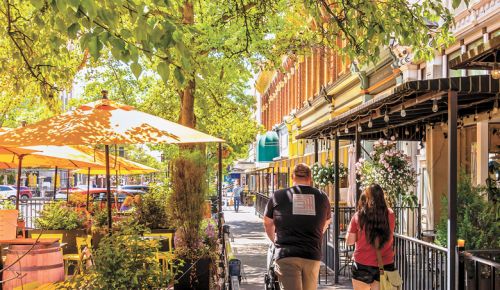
{"x":389,"y":280}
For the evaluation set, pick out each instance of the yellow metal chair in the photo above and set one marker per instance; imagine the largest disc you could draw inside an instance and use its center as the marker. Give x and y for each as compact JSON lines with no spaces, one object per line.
{"x":69,"y":259}
{"x":165,"y":257}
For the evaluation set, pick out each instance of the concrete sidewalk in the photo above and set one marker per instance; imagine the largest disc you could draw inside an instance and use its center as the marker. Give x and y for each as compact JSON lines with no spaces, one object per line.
{"x":250,"y":245}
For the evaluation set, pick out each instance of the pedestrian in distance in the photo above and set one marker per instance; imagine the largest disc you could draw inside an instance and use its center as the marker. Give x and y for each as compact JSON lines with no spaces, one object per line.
{"x":371,"y":229}
{"x":295,"y":220}
{"x":237,"y":190}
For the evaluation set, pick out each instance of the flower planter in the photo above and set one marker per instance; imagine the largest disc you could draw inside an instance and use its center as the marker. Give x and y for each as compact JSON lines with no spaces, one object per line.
{"x":194,"y":276}
{"x":69,"y":238}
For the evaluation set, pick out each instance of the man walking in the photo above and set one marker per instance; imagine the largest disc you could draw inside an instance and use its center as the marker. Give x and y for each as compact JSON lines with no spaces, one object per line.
{"x":237,"y":195}
{"x":295,"y":220}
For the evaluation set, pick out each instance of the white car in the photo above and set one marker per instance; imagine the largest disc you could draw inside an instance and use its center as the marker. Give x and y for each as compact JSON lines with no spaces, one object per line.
{"x":7,"y":192}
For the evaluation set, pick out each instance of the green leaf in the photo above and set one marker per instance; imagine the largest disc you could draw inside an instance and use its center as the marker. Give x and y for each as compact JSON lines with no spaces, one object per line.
{"x":61,"y":5}
{"x":73,"y":4}
{"x":95,"y":46}
{"x":38,"y":4}
{"x":163,"y":70}
{"x":179,"y":76}
{"x":73,"y":30}
{"x":136,"y":69}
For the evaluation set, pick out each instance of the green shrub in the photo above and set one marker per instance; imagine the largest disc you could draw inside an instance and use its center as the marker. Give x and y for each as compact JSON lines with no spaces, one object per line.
{"x":478,"y":219}
{"x":186,"y":203}
{"x":151,"y":211}
{"x":7,"y":204}
{"x":123,"y":260}
{"x":58,"y":216}
{"x":99,"y":216}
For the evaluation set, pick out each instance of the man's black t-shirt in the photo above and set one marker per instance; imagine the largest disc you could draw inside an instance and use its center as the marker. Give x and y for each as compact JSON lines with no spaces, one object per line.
{"x":299,"y":214}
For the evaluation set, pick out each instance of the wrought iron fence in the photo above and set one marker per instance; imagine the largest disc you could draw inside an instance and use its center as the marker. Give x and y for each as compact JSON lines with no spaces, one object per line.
{"x":479,"y":270}
{"x":422,"y":265}
{"x":29,"y":209}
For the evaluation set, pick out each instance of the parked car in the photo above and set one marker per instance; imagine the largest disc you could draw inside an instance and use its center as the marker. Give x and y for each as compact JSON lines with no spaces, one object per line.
{"x":7,"y":191}
{"x":24,"y":194}
{"x":133,"y":189}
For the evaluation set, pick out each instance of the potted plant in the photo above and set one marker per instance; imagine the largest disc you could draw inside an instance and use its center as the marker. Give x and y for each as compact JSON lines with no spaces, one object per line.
{"x":392,"y":170}
{"x":324,"y":175}
{"x":151,"y":210}
{"x":123,"y":260}
{"x":479,"y":223}
{"x":59,"y":218}
{"x":189,"y":190}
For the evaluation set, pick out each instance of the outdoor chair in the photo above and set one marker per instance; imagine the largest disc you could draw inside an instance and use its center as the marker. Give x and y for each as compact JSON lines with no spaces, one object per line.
{"x":165,"y":254}
{"x":70,"y":259}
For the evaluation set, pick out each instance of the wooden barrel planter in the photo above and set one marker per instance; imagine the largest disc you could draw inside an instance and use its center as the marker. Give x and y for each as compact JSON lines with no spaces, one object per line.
{"x":44,"y":264}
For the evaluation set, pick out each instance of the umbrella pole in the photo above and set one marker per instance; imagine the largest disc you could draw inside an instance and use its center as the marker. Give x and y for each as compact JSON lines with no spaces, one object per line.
{"x":88,"y":189}
{"x":116,"y":191}
{"x":67,"y":188}
{"x":19,"y":167}
{"x":108,"y":188}
{"x":55,"y":183}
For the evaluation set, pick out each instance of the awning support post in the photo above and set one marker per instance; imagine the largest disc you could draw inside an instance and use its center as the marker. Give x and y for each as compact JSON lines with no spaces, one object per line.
{"x":219,"y":192}
{"x":358,"y":156}
{"x":316,"y":153}
{"x":336,"y":223}
{"x":452,"y":190}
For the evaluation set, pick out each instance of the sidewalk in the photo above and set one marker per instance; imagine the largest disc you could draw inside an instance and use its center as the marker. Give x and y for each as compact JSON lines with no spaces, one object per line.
{"x":250,"y":244}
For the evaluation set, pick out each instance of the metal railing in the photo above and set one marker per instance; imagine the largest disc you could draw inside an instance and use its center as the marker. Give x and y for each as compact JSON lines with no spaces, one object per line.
{"x":260,"y":203}
{"x":29,"y":209}
{"x":479,"y":270}
{"x":422,"y":265}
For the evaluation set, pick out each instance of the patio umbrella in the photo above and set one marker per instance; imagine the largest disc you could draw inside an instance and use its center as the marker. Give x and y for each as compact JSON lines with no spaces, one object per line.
{"x":44,"y":156}
{"x":104,"y":122}
{"x":120,"y":166}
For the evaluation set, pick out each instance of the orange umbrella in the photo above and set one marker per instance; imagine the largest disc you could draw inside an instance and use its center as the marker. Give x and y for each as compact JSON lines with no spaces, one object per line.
{"x":120,"y":165}
{"x":104,"y":122}
{"x":45,"y":156}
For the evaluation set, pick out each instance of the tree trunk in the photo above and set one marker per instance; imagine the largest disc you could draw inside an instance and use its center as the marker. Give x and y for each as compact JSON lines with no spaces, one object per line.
{"x":186,"y":116}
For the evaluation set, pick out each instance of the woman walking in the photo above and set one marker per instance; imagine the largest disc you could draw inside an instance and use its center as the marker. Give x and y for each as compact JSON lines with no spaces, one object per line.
{"x":371,"y":228}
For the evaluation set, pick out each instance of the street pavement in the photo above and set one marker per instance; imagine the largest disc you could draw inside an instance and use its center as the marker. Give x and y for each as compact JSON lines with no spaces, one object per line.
{"x":249,"y":244}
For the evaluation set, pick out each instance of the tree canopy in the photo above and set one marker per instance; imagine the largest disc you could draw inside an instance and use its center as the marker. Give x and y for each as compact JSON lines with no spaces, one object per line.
{"x":192,"y":60}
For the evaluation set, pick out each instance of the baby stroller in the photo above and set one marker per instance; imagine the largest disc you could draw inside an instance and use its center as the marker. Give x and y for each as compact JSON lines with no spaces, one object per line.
{"x":270,"y":278}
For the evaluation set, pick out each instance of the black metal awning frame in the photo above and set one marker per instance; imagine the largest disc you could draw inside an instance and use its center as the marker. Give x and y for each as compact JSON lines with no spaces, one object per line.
{"x":425,"y":102}
{"x":484,"y":56}
{"x":475,"y":95}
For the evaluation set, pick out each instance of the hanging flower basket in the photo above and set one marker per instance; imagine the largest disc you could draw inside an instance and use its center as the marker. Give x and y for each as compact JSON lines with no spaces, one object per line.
{"x":392,"y":170}
{"x":323,"y":175}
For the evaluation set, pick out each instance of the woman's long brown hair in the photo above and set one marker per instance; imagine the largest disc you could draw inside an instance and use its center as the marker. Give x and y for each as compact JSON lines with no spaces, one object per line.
{"x":374,"y":216}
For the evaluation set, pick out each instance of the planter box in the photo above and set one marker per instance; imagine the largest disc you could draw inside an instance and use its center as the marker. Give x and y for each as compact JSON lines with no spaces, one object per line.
{"x":8,"y":224}
{"x":69,"y":238}
{"x":200,"y":280}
